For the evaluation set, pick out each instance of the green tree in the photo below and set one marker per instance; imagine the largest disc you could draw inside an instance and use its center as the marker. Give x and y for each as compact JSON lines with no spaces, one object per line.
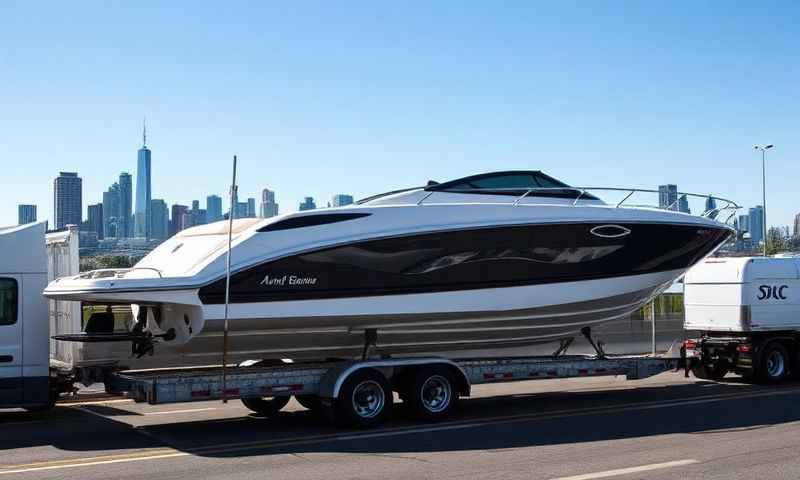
{"x":776,"y":242}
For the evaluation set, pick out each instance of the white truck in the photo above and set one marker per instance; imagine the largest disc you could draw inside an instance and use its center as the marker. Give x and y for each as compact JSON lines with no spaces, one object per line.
{"x":745,"y":316}
{"x":35,"y":370}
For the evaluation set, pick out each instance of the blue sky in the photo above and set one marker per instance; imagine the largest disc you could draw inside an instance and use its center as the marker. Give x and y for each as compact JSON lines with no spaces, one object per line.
{"x":318,"y":98}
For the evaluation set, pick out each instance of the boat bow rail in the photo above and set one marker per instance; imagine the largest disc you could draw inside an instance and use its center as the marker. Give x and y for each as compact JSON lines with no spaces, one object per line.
{"x":586,"y":194}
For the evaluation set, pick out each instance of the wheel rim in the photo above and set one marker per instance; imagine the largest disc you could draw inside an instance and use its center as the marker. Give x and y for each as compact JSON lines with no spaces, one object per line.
{"x":775,"y":364}
{"x":436,"y":394}
{"x":368,"y":399}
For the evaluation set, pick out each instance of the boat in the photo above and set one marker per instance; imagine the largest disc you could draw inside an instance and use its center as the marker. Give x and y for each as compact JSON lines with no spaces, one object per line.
{"x":482,"y":263}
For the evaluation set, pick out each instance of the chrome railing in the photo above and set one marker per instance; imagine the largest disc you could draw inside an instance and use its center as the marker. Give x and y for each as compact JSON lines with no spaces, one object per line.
{"x":113,"y":273}
{"x":586,"y":194}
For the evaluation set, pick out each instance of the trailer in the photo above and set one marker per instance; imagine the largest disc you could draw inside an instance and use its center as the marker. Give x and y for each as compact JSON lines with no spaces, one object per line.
{"x":745,"y":315}
{"x":359,"y":393}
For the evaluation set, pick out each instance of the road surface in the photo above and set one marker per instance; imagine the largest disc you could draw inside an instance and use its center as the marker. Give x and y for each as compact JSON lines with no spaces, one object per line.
{"x":664,"y":427}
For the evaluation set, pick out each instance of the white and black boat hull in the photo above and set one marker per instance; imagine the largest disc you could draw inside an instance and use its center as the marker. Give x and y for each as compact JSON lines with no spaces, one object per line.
{"x":482,"y":288}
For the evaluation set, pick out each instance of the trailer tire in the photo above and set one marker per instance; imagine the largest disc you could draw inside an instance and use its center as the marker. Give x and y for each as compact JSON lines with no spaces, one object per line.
{"x":309,"y":402}
{"x":364,"y":400}
{"x":774,"y":364}
{"x":432,"y":393}
{"x":714,"y":372}
{"x":266,"y":406}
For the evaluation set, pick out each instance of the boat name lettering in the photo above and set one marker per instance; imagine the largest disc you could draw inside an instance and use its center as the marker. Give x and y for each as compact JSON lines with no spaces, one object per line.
{"x":284,"y":280}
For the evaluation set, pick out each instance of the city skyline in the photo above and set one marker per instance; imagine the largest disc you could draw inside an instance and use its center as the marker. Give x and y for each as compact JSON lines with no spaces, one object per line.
{"x":677,"y":99}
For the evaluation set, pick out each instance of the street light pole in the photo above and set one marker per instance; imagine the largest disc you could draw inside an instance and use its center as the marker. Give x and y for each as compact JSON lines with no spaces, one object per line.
{"x":764,"y":149}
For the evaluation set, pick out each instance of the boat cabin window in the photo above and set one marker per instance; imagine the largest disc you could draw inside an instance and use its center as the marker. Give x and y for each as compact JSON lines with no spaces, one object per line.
{"x":8,"y":301}
{"x":514,"y":183}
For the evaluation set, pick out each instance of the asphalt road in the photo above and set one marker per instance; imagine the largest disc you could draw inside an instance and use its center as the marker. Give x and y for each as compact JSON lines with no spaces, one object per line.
{"x":581,"y":429}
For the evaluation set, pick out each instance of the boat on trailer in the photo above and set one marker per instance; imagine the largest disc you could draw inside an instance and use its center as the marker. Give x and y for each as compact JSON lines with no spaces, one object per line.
{"x":483,"y":263}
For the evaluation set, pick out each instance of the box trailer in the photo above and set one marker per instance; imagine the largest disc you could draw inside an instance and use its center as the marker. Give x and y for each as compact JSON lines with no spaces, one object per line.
{"x":744,"y":313}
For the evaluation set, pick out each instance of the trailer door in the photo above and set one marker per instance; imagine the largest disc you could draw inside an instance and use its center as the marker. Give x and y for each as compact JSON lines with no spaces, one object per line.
{"x":10,"y":340}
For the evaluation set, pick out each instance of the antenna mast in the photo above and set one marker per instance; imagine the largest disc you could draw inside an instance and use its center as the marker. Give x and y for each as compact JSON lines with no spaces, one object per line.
{"x":228,"y":288}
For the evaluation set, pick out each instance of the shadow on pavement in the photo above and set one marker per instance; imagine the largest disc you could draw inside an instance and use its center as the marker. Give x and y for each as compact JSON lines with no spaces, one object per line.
{"x":557,"y":417}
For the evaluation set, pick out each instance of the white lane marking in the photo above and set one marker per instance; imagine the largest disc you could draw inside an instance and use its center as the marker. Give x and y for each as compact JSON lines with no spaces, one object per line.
{"x":94,"y":402}
{"x":626,"y":471}
{"x":188,"y":410}
{"x":97,"y":462}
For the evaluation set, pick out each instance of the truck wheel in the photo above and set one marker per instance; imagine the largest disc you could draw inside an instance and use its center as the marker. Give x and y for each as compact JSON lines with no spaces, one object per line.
{"x":266,"y":406}
{"x":714,"y":372}
{"x":432,"y":393}
{"x":365,"y":399}
{"x":773,"y":365}
{"x":310,"y":402}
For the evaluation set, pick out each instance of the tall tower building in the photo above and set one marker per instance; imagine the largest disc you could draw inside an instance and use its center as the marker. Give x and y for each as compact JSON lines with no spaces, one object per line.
{"x":213,"y":208}
{"x":125,"y":213}
{"x":94,"y":219}
{"x":176,"y":224}
{"x":668,"y":196}
{"x":268,"y":206}
{"x":251,"y":207}
{"x":756,"y":217}
{"x":26,"y":214}
{"x":143,"y":190}
{"x":67,"y":199}
{"x":160,"y":219}
{"x":797,"y":225}
{"x":711,"y":207}
{"x":111,"y":203}
{"x":341,"y":200}
{"x":308,"y":204}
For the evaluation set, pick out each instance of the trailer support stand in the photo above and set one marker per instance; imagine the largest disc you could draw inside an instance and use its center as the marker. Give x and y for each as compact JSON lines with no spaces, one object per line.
{"x":562,"y":349}
{"x":598,"y":346}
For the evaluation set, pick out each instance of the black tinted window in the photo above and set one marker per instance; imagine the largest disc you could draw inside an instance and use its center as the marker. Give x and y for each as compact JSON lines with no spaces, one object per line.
{"x":504,"y":181}
{"x":8,"y":301}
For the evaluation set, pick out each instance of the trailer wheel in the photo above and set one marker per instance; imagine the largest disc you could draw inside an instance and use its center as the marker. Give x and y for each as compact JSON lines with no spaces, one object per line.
{"x":266,"y":406}
{"x":774,"y":364}
{"x":432,"y":393}
{"x":365,"y":399}
{"x":310,"y":402}
{"x":715,"y":372}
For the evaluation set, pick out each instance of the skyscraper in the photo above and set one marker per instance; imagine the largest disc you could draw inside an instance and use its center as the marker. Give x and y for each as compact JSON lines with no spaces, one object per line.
{"x":160,"y":219}
{"x":711,"y":207}
{"x":251,"y":207}
{"x":683,"y":204}
{"x":797,"y":225}
{"x":94,"y":220}
{"x":111,"y":204}
{"x":308,"y":204}
{"x":67,"y":199}
{"x":176,"y":224}
{"x":26,"y":214}
{"x":756,"y":216}
{"x":195,"y":216}
{"x":143,"y":191}
{"x":668,"y":196}
{"x":124,"y":214}
{"x":341,"y":200}
{"x":268,"y":206}
{"x":213,"y":208}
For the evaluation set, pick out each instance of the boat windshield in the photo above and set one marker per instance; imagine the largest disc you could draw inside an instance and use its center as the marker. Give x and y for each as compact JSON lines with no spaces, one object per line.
{"x":511,"y":183}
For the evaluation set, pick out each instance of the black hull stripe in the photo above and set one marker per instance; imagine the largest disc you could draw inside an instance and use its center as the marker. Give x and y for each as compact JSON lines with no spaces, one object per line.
{"x":485,"y":258}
